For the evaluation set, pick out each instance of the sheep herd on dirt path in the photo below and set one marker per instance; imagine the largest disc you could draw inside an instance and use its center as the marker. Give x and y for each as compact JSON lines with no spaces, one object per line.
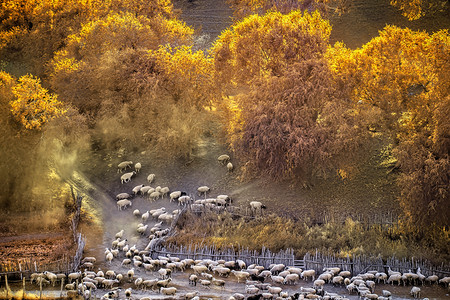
{"x":127,"y":271}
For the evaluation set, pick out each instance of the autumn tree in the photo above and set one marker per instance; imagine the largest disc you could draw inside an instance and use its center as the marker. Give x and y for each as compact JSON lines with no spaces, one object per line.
{"x":33,"y":105}
{"x":402,"y":78}
{"x":415,"y":9}
{"x":92,"y":58}
{"x":291,"y":121}
{"x":266,"y":45}
{"x":296,"y":125}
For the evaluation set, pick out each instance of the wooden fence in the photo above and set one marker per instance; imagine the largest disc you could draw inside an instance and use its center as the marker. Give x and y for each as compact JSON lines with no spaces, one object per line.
{"x":317,"y":261}
{"x":387,"y":219}
{"x":361,"y":264}
{"x":264,"y":257}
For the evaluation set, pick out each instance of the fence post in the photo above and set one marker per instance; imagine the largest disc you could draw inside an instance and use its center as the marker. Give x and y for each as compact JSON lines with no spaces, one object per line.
{"x":23,"y":288}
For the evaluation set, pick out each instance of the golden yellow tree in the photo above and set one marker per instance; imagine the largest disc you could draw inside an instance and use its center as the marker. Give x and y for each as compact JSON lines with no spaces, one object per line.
{"x":402,"y":79}
{"x":33,"y":105}
{"x":415,"y":9}
{"x":266,"y":45}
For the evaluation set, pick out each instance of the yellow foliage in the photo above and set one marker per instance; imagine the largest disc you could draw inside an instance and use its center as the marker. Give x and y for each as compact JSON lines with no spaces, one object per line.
{"x":189,"y":75}
{"x":266,"y":45}
{"x":33,"y":105}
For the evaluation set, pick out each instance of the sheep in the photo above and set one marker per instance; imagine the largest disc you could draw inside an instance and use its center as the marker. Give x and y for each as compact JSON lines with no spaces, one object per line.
{"x":144,"y":190}
{"x":130,"y":274}
{"x":224,"y":158}
{"x":145,"y":216}
{"x":174,"y":195}
{"x":275,"y":290}
{"x":150,"y":283}
{"x":127,"y":177}
{"x":137,"y":167}
{"x":109,"y":257}
{"x":190,"y":295}
{"x":163,"y":283}
{"x":371,"y":296}
{"x":256,"y":205}
{"x":123,"y":165}
{"x":277,"y":279}
{"x":193,"y":279}
{"x":198,"y":269}
{"x":445,"y":281}
{"x":128,"y":292}
{"x":275,"y":269}
{"x":169,"y":291}
{"x":432,"y":279}
{"x":218,"y":282}
{"x":415,"y":292}
{"x":291,"y":278}
{"x":203,"y":190}
{"x":137,"y":189}
{"x":240,"y":275}
{"x":205,"y":283}
{"x":381,"y":276}
{"x":150,"y":178}
{"x":308,"y":273}
{"x":318,"y":283}
{"x":164,"y":191}
{"x":142,"y":229}
{"x":164,"y":273}
{"x":154,"y":195}
{"x":222,"y":271}
{"x":123,"y":204}
{"x":74,"y":276}
{"x":386,"y":293}
{"x":122,"y":196}
{"x":337,"y":280}
{"x":230,"y":167}
{"x":395,"y":277}
{"x":51,"y":276}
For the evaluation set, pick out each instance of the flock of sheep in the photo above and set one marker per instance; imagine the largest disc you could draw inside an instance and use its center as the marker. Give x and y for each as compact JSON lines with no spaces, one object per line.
{"x":146,"y":278}
{"x":134,"y":274}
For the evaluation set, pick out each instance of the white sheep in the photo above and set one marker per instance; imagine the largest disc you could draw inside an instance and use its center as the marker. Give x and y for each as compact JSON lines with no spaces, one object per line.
{"x":224,"y":158}
{"x":144,"y":190}
{"x":169,"y":291}
{"x":122,"y":196}
{"x":432,"y":279}
{"x":145,"y":216}
{"x":415,"y":292}
{"x":150,"y":178}
{"x":119,"y":234}
{"x":291,"y":278}
{"x":318,"y":283}
{"x":155,"y":195}
{"x":308,"y":273}
{"x":395,"y":277}
{"x":123,"y":165}
{"x":184,"y":200}
{"x":174,"y":195}
{"x":203,"y":190}
{"x":277,"y":279}
{"x":230,"y":167}
{"x":127,"y":177}
{"x":164,"y":191}
{"x":256,"y":205}
{"x":122,"y":204}
{"x":137,"y":167}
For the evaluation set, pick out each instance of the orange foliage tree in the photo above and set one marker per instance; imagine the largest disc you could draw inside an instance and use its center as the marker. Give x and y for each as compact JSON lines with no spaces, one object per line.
{"x":100,"y":56}
{"x":33,"y":105}
{"x":415,"y":9}
{"x":402,"y":77}
{"x":266,"y":45}
{"x":293,"y":121}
